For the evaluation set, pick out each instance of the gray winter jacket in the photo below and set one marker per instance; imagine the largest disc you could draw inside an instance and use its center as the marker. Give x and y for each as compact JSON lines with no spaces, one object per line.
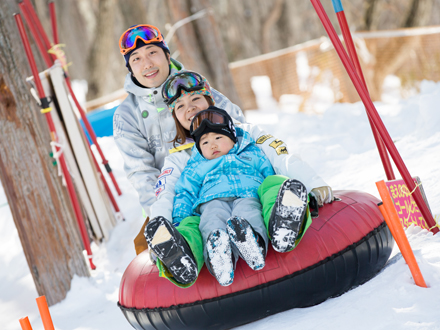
{"x":142,"y":129}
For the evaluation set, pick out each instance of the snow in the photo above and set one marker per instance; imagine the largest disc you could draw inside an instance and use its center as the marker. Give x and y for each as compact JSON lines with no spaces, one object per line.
{"x":339,"y":145}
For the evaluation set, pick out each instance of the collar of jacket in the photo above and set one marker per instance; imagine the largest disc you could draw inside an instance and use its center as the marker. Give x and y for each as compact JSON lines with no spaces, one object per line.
{"x":243,"y":137}
{"x":150,"y":95}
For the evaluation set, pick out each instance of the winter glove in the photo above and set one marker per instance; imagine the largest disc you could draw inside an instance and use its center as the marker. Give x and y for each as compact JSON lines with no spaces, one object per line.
{"x":323,"y":195}
{"x":140,"y":243}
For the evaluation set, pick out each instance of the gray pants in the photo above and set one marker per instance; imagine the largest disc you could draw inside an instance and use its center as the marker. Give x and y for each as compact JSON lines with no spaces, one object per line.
{"x":216,"y":213}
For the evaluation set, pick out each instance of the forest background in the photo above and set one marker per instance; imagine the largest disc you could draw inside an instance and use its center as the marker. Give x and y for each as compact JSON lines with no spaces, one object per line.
{"x":90,"y":29}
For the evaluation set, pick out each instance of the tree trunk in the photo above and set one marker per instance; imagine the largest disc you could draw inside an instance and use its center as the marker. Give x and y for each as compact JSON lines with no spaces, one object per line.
{"x":268,"y":25}
{"x":39,"y":203}
{"x":387,"y":59}
{"x":201,"y":47}
{"x":99,"y":60}
{"x":369,"y":8}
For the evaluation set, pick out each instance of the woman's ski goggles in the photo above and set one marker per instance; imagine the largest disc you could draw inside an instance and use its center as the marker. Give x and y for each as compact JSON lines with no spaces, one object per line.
{"x":147,"y":33}
{"x":187,"y":81}
{"x":209,"y":117}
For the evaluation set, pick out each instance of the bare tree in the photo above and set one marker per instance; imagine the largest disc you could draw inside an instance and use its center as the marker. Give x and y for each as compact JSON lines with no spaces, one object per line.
{"x":99,"y":59}
{"x":390,"y":54}
{"x":246,"y":28}
{"x":201,"y":46}
{"x":268,"y":25}
{"x":39,"y":203}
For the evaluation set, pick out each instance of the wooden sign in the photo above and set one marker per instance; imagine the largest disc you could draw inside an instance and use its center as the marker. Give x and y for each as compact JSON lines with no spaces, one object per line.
{"x":405,"y":205}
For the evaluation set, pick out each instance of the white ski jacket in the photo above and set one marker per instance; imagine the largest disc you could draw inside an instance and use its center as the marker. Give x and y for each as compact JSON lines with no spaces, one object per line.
{"x":142,"y":129}
{"x":282,"y":162}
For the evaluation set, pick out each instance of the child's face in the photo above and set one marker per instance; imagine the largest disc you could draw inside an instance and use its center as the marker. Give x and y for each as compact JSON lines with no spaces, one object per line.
{"x":187,"y":106}
{"x":214,"y":145}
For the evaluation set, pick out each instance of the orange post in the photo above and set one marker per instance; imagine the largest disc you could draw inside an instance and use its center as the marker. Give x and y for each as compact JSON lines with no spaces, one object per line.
{"x":25,"y":324}
{"x":392,"y":219}
{"x":44,"y":313}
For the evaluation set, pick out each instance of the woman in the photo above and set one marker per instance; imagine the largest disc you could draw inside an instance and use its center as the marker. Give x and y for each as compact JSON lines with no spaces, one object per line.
{"x":180,"y":248}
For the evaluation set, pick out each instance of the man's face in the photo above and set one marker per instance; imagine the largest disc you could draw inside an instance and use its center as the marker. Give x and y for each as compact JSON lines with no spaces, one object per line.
{"x":214,"y":145}
{"x":150,"y":65}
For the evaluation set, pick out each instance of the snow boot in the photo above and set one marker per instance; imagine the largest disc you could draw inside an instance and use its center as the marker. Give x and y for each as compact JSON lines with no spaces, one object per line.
{"x":288,"y":215}
{"x":249,"y":244}
{"x":172,"y":249}
{"x":220,"y":259}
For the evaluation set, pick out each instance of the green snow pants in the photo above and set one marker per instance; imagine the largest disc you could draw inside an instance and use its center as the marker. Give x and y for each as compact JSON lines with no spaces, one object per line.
{"x":189,"y":227}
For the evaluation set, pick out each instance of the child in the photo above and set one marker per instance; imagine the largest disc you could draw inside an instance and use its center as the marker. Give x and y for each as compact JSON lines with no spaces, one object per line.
{"x":179,"y":245}
{"x":220,"y":183}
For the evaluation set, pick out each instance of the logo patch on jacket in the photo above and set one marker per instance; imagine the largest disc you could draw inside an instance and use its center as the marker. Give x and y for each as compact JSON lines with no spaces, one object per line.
{"x":281,"y":150}
{"x":263,"y":138}
{"x":166,"y":172}
{"x":245,"y":158}
{"x":160,"y":186}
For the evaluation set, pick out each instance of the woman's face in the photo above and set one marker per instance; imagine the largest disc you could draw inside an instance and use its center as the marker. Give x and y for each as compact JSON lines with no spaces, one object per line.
{"x":187,"y":106}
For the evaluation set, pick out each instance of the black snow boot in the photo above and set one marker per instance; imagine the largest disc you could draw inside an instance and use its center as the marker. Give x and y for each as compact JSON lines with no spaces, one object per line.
{"x":249,"y":244}
{"x":288,"y":215}
{"x":220,"y":258}
{"x":172,"y":249}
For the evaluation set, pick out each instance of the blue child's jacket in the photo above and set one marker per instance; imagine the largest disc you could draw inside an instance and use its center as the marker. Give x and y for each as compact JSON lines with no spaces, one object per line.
{"x":237,"y":174}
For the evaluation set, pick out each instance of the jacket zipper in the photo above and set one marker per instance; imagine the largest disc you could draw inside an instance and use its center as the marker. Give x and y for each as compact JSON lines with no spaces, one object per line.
{"x":160,"y":126}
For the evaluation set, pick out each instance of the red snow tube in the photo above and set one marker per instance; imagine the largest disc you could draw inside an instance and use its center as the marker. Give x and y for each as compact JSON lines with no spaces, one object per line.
{"x":344,"y":247}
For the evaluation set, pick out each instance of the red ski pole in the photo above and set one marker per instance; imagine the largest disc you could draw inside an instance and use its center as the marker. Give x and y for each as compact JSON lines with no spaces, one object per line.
{"x":47,"y":59}
{"x":337,"y":5}
{"x":374,"y":115}
{"x":40,"y":31}
{"x":45,"y":108}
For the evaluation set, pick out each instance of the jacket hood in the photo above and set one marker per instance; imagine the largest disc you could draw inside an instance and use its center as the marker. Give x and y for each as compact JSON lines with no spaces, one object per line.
{"x":243,"y":137}
{"x":131,"y":87}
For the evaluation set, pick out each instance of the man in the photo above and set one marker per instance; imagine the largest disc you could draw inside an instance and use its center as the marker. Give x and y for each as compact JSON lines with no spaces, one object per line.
{"x":142,"y":124}
{"x":143,"y":128}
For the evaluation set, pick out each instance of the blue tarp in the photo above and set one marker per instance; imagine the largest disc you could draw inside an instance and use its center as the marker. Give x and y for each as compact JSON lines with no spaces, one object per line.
{"x":101,"y":121}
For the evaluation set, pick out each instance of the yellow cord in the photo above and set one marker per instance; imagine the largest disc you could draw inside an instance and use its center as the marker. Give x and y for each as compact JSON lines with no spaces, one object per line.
{"x":46,"y":110}
{"x":436,"y":225}
{"x":417,"y":185}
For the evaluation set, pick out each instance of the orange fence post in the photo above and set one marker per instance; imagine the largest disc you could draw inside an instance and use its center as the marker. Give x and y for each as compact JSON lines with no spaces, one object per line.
{"x":45,"y":314}
{"x":392,"y":219}
{"x":25,"y":324}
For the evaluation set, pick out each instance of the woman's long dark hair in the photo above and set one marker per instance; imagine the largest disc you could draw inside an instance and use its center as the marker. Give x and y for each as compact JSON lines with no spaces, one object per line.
{"x":182,"y":133}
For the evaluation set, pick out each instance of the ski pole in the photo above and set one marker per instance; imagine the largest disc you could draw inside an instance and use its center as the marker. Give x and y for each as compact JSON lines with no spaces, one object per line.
{"x":53,"y":22}
{"x":86,"y":122}
{"x":32,"y":25}
{"x":45,"y":108}
{"x":38,"y":30}
{"x":80,"y":109}
{"x":49,"y":63}
{"x":339,"y":10}
{"x":92,"y":135}
{"x":374,"y":115}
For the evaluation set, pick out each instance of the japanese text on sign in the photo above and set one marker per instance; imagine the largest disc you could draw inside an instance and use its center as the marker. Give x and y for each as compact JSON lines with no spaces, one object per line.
{"x":405,"y":205}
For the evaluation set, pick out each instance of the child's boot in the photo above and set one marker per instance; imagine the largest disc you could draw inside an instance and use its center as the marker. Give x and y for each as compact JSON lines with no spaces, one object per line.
{"x":220,"y":259}
{"x":288,"y":215}
{"x":249,"y":244}
{"x":172,"y":249}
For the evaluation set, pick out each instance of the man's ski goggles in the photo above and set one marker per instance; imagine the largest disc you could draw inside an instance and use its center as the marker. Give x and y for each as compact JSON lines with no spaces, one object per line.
{"x":211,"y":118}
{"x":147,"y":33}
{"x":188,"y":81}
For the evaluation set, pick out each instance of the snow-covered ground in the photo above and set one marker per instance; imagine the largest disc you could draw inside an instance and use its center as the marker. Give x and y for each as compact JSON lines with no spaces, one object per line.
{"x":339,"y":145}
